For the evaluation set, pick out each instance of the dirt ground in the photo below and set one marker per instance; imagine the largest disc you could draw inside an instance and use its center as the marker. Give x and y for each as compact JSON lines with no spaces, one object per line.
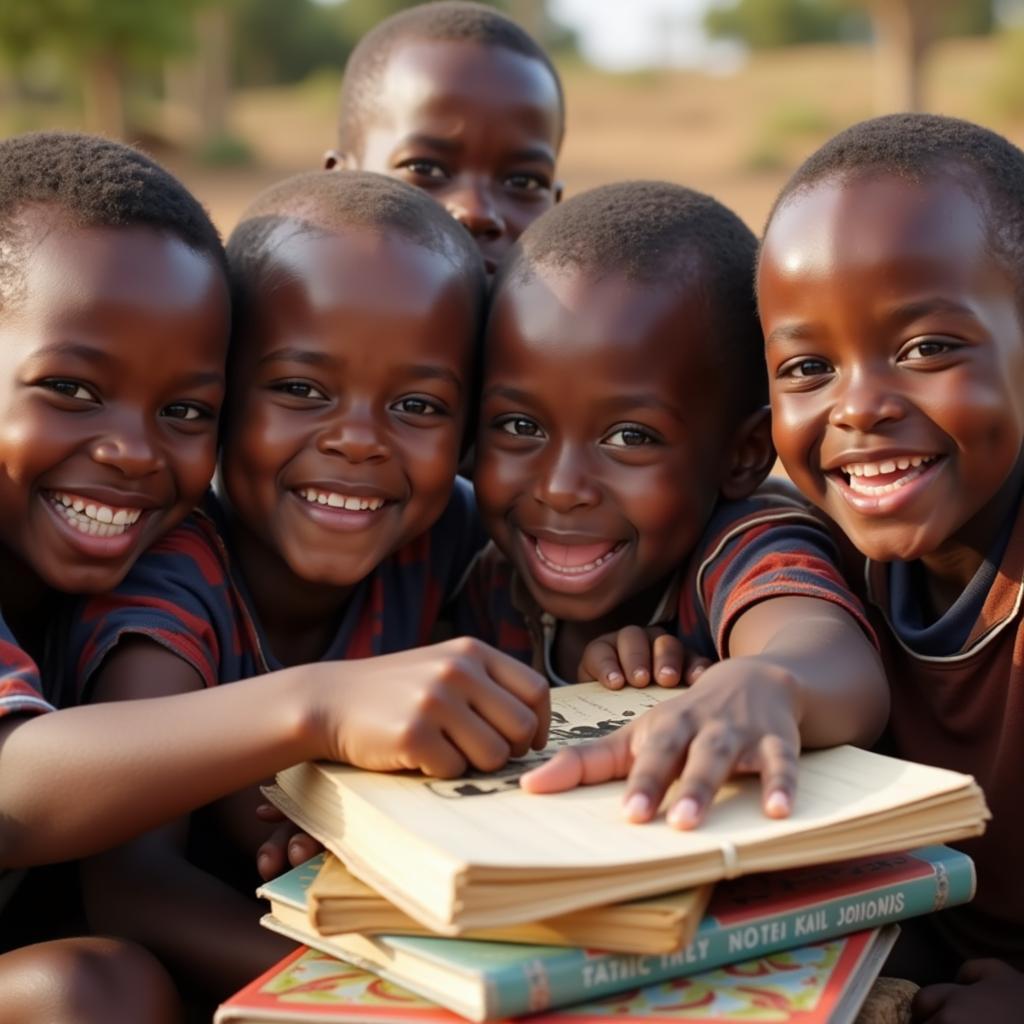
{"x":737,"y":137}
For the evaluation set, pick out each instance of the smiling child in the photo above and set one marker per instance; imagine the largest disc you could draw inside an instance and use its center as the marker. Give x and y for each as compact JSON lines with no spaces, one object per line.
{"x":338,"y":531}
{"x":622,"y":447}
{"x":460,"y":101}
{"x":890,"y":285}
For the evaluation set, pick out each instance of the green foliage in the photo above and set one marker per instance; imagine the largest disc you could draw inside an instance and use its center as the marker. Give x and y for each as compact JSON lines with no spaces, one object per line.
{"x":767,"y":24}
{"x":139,"y":32}
{"x":225,"y":151}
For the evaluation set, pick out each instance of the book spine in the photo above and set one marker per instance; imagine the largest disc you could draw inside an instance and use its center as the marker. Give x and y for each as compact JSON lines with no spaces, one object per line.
{"x":582,"y":976}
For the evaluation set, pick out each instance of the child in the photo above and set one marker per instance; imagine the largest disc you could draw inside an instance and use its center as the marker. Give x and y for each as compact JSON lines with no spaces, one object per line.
{"x":622,"y":442}
{"x":113,"y":313}
{"x":340,"y":532}
{"x":460,"y":101}
{"x":890,"y":291}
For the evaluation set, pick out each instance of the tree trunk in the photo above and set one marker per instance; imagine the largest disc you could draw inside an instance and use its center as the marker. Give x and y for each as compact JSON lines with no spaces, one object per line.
{"x":903,"y":32}
{"x":103,"y":95}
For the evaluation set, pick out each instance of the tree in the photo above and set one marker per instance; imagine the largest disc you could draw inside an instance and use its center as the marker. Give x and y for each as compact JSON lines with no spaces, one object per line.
{"x":101,"y":41}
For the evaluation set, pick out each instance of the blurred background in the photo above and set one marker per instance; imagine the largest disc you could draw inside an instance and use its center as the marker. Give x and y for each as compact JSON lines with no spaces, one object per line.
{"x":727,"y":96}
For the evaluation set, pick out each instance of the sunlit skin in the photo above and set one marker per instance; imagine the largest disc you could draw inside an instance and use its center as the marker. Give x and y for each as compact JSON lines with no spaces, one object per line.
{"x":604,"y":443}
{"x":894,"y":340}
{"x":477,"y":127}
{"x":111,"y":380}
{"x":352,"y":379}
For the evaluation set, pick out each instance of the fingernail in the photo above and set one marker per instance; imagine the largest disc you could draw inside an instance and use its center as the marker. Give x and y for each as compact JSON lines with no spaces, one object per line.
{"x":665,"y":672}
{"x":640,"y":675}
{"x":638,"y":807}
{"x":614,"y":677}
{"x":684,"y":814}
{"x":777,"y":805}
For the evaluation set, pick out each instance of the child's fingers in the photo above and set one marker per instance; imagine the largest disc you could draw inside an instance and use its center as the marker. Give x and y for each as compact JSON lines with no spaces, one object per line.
{"x":658,"y":755}
{"x":709,"y":763}
{"x":600,"y":661}
{"x":695,"y":666}
{"x":268,"y":812}
{"x":523,"y":683}
{"x":476,"y":739}
{"x":272,"y":856}
{"x":669,"y":658}
{"x":301,"y":847}
{"x":779,"y":760}
{"x":582,"y":765}
{"x":634,"y":647}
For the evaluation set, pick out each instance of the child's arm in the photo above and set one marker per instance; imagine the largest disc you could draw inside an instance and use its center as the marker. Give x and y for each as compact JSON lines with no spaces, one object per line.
{"x":149,"y":892}
{"x":801,"y":671}
{"x":77,"y":781}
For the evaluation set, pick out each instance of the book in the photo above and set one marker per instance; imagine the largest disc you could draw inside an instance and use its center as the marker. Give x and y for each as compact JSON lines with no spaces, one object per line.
{"x":756,"y":915}
{"x":479,"y":852}
{"x":823,"y":983}
{"x":338,"y":902}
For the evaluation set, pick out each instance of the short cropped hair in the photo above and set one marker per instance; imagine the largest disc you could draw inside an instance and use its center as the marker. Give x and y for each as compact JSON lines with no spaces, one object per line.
{"x":331,"y":203}
{"x":442,"y":21}
{"x":94,"y":183}
{"x":654,"y":232}
{"x":918,"y":147}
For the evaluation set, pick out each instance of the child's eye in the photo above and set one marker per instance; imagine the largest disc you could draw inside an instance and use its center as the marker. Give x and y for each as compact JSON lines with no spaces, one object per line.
{"x":422,"y":168}
{"x":69,"y":389}
{"x":184,"y":411}
{"x":298,"y":389}
{"x":527,"y":182}
{"x":416,"y":406}
{"x":520,"y":426}
{"x":629,"y":437}
{"x":805,"y":367}
{"x":927,"y":348}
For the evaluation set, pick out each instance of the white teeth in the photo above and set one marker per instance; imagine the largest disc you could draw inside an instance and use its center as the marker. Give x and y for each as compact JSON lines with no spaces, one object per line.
{"x":95,"y":520}
{"x":912,"y":466}
{"x":575,"y":570}
{"x":333,"y":499}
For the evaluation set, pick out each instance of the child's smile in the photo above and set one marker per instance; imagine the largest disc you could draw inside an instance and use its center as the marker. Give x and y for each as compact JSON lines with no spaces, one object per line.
{"x":601,"y":439}
{"x":114,"y":360}
{"x":896,"y":359}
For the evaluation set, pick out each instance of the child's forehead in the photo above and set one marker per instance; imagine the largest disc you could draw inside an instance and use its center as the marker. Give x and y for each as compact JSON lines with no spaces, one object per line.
{"x":419,"y":74}
{"x":875,"y":218}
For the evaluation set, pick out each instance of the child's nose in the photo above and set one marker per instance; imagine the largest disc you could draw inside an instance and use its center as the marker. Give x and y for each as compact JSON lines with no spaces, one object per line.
{"x":127,"y":447}
{"x":566,"y":483}
{"x":473,"y":205}
{"x":357,"y":436}
{"x":865,"y":401}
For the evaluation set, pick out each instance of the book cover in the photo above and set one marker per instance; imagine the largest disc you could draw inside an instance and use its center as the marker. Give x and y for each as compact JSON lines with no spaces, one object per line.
{"x":480,"y":853}
{"x":822,"y":983}
{"x":752,"y":916}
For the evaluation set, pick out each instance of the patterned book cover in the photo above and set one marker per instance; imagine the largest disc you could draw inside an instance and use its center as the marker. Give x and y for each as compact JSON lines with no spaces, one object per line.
{"x":748,"y":917}
{"x":801,"y":986}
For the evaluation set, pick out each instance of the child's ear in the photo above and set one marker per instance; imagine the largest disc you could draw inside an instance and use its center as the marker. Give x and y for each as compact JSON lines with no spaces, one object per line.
{"x":335,"y":161}
{"x":753,"y":456}
{"x":559,"y":190}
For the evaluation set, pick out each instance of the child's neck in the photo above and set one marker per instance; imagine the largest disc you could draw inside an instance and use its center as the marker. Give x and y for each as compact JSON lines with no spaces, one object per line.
{"x":299,"y":618}
{"x":572,"y":636}
{"x":951,"y":567}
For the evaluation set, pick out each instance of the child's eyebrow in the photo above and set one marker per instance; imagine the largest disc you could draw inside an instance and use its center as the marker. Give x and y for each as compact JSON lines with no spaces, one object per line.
{"x":297,"y":355}
{"x":74,"y":348}
{"x":532,"y":154}
{"x":430,"y":371}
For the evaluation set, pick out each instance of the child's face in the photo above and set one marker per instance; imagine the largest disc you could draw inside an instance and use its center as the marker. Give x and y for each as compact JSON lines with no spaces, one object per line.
{"x":111,"y":379}
{"x":477,"y":127}
{"x":347,"y":403}
{"x":602,"y":436}
{"x":896,"y":360}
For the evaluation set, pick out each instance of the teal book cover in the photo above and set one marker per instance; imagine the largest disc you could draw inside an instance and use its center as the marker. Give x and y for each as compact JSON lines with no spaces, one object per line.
{"x":748,"y":917}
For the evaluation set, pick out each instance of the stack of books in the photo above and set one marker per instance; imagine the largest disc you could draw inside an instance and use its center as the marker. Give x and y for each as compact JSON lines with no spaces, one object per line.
{"x":492,"y":903}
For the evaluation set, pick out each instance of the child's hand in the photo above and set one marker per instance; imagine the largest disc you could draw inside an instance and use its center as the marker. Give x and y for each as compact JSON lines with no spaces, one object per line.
{"x":985,"y":990}
{"x":287,"y":847}
{"x":437,"y":709}
{"x":742,"y":715}
{"x":635,"y":655}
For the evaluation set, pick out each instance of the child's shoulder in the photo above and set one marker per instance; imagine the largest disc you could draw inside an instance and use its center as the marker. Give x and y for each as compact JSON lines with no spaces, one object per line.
{"x":19,"y":678}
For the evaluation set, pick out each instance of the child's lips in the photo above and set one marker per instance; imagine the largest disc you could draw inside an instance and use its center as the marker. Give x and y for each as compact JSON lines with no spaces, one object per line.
{"x":882,"y":486}
{"x":570,"y":567}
